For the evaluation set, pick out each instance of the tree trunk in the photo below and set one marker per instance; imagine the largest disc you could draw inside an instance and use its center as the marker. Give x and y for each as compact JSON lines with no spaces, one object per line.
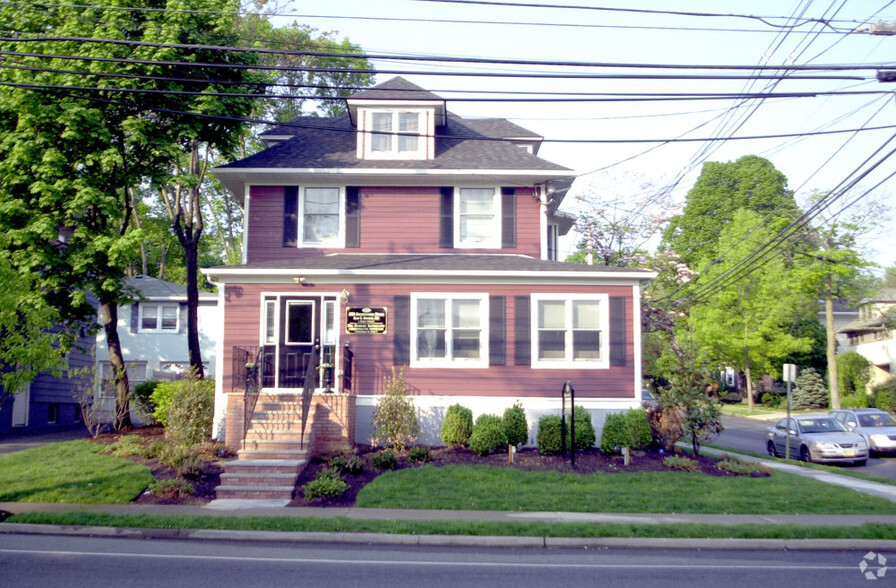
{"x":833,"y":375}
{"x":749,"y":376}
{"x":191,"y":250}
{"x":109,"y":317}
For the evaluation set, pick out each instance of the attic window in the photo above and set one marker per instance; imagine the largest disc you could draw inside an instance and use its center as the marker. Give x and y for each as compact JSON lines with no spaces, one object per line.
{"x":393,"y":134}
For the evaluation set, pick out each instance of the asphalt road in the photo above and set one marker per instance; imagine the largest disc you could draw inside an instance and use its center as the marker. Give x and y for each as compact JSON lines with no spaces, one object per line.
{"x":748,"y":434}
{"x":48,"y":561}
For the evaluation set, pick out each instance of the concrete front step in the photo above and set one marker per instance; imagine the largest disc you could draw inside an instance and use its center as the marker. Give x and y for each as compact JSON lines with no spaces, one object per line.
{"x":256,"y":492}
{"x":265,"y":466}
{"x":276,"y":435}
{"x":254,"y":479}
{"x":255,"y":454}
{"x":274,"y":444}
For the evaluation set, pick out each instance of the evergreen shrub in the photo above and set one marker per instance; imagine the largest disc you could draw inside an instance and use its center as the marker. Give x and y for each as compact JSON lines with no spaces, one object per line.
{"x":809,"y":391}
{"x":488,"y":435}
{"x":516,"y":428}
{"x":457,"y":426}
{"x":625,"y":429}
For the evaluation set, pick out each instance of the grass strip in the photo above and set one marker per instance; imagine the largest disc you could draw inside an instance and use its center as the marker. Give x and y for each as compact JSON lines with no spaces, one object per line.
{"x":842,"y":470}
{"x":493,"y":488}
{"x":466,"y":528}
{"x":72,"y":472}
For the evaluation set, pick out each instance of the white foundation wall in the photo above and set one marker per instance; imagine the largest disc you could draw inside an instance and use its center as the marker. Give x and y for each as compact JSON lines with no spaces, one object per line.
{"x":431,"y":412}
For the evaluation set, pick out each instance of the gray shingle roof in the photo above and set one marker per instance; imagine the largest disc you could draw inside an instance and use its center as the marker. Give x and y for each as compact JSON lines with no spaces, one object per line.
{"x":396,"y":88}
{"x":428,"y":262}
{"x":151,"y":288}
{"x":330,"y":143}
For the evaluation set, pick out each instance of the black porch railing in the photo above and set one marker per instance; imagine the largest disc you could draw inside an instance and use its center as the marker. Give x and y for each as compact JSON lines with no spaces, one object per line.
{"x":310,"y":383}
{"x":248,"y":367}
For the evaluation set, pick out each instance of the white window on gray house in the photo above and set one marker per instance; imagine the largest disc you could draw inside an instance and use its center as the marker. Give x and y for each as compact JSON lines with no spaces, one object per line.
{"x":449,"y":329}
{"x":478,"y":218}
{"x":568,"y":330}
{"x":159,"y":317}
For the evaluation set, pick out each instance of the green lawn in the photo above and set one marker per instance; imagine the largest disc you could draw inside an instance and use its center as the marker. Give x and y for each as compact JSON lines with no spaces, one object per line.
{"x":493,"y":488}
{"x":71,"y":472}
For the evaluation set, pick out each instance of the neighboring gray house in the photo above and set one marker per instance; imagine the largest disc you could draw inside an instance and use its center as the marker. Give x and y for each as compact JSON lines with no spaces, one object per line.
{"x":50,"y":402}
{"x":153,"y":332}
{"x":872,"y":335}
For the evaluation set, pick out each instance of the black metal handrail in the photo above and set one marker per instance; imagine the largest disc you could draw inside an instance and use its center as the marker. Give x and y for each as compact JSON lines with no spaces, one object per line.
{"x":348,"y":359}
{"x":246,"y":370}
{"x":308,"y":386}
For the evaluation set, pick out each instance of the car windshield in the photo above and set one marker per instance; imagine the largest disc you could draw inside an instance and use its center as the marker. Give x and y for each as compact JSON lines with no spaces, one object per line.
{"x":876,"y":420}
{"x":822,"y":425}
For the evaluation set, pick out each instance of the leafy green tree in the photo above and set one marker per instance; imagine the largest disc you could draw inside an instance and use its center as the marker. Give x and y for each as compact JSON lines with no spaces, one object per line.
{"x":855,"y":373}
{"x":688,"y":403}
{"x":747,"y":322}
{"x":751,"y":182}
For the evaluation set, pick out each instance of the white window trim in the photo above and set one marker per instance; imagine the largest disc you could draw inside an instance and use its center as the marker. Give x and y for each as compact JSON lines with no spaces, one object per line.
{"x":339,"y":240}
{"x":494,"y":242}
{"x":142,"y":306}
{"x":426,"y":131}
{"x":449,"y":362}
{"x":603,"y":301}
{"x":275,"y":331}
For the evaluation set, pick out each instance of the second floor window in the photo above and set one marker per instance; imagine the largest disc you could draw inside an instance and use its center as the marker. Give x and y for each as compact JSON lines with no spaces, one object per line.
{"x":397,"y":132}
{"x":478,"y":218}
{"x":312,"y":216}
{"x":159,"y":317}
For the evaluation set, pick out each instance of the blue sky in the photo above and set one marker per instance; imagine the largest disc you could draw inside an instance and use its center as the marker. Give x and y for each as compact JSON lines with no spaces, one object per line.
{"x":818,"y":162}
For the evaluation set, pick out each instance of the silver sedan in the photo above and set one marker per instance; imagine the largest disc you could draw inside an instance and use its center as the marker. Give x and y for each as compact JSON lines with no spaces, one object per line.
{"x":820,"y":438}
{"x":877,"y":426}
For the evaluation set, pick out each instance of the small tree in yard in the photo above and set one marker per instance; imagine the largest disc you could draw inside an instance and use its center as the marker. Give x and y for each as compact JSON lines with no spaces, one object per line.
{"x":699,"y":412}
{"x":395,"y":418}
{"x":809,"y":390}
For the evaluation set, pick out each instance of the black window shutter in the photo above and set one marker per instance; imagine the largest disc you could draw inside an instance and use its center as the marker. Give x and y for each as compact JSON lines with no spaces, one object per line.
{"x":352,"y":217}
{"x":135,"y":317}
{"x":290,"y":216}
{"x":497,"y":354}
{"x":617,"y":330}
{"x":401,"y":330}
{"x":522,"y":354}
{"x":446,"y":217}
{"x":508,"y":217}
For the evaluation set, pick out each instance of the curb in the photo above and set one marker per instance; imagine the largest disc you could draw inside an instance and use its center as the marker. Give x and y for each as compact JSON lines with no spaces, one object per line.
{"x":451,"y":540}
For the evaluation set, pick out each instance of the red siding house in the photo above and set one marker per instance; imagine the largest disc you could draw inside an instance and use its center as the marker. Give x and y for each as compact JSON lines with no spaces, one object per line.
{"x":398,"y":235}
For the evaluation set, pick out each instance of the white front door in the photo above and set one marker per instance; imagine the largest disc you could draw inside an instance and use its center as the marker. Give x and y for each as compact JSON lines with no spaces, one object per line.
{"x":21,"y":406}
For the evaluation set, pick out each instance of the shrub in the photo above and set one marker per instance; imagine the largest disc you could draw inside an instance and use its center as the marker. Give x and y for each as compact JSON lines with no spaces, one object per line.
{"x":809,"y":391}
{"x":171,"y":488}
{"x":457,"y":426}
{"x":667,"y":425}
{"x":488,"y":435}
{"x":161,"y":398}
{"x":548,"y":438}
{"x":346,"y":464}
{"x":854,"y":372}
{"x":327,"y":484}
{"x":384,"y":460}
{"x":183,"y":460}
{"x":685,"y":464}
{"x":418,"y":454}
{"x":190,"y":412}
{"x":740,"y":468}
{"x":884,"y":395}
{"x":859,"y":400}
{"x":142,"y":395}
{"x":516,"y":428}
{"x":394,"y":418}
{"x":625,"y":429}
{"x":770,"y":399}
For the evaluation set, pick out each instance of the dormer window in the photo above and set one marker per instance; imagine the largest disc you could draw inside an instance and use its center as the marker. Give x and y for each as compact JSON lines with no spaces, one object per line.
{"x":395,"y":133}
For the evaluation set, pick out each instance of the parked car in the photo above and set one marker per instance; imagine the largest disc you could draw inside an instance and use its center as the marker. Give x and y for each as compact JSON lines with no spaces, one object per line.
{"x":878,"y":427}
{"x":817,"y":437}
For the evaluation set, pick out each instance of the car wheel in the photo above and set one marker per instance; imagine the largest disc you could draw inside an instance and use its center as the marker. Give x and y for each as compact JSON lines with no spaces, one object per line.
{"x":772,"y":450}
{"x":804,"y":454}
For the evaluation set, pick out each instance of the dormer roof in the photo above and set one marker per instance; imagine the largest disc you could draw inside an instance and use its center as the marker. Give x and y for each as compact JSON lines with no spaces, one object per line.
{"x":397,"y":92}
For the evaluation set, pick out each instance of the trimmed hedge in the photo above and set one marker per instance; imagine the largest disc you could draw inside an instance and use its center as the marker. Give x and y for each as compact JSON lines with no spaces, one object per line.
{"x":516,"y":428}
{"x":457,"y":426}
{"x":625,"y":429}
{"x":549,"y":432}
{"x":488,"y":435}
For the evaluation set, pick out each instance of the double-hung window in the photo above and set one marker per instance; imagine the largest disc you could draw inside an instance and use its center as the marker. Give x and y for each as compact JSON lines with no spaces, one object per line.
{"x":159,"y":317}
{"x":320,"y":215}
{"x":478,"y":218}
{"x":568,"y":330}
{"x":449,"y":330}
{"x":395,"y":134}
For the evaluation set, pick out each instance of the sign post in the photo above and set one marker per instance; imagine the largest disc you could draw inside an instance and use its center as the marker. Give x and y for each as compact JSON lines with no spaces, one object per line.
{"x":568,"y":398}
{"x":789,"y":370}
